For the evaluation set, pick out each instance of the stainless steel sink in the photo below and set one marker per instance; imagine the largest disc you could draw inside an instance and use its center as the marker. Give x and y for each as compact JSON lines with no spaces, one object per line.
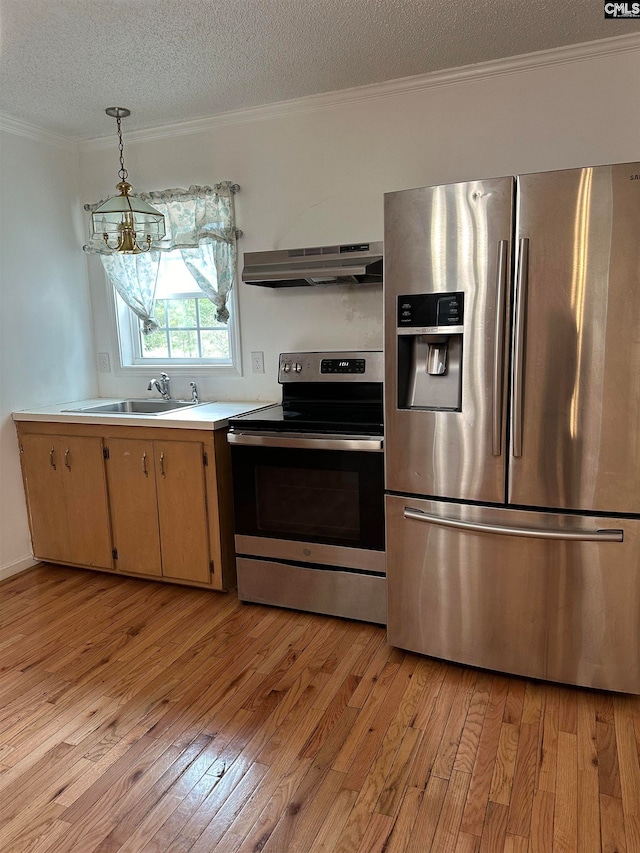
{"x":135,"y":407}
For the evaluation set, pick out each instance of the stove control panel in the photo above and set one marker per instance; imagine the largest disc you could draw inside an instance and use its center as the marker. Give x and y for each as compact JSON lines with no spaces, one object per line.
{"x":342,"y":365}
{"x":331,"y":367}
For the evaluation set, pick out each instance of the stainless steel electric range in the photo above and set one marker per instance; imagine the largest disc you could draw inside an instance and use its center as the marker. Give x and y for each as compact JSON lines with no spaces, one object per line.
{"x":308,"y":481}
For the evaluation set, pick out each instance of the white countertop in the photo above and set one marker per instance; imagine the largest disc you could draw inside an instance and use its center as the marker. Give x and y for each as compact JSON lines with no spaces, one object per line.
{"x":202,"y":416}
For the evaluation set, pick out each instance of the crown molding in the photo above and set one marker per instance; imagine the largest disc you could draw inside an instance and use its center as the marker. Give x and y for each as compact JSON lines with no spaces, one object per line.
{"x":404,"y":85}
{"x":38,"y":134}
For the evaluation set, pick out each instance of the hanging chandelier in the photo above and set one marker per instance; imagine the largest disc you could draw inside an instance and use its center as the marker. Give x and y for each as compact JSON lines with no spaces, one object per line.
{"x":124,"y":223}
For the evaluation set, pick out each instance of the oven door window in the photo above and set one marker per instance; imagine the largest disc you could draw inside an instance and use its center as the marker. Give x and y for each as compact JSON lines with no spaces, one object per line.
{"x":309,"y":502}
{"x":323,"y":496}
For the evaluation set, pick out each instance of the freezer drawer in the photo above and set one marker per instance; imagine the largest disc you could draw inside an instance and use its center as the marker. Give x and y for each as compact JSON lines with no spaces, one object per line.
{"x":497,"y":592}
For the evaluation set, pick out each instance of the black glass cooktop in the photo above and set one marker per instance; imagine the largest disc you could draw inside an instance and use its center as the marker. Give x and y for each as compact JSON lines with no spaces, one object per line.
{"x":335,"y":407}
{"x":347,"y":420}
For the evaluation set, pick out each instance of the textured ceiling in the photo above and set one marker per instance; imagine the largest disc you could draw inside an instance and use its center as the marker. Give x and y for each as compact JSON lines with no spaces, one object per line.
{"x":63,"y":61}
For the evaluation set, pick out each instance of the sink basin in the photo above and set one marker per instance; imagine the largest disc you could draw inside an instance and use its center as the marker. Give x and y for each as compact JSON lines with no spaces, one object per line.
{"x":135,"y":407}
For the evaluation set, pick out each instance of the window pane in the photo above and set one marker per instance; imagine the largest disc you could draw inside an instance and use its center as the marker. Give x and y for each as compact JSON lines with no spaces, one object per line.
{"x":184,"y":344}
{"x":208,"y":313}
{"x":158,"y":312}
{"x":173,"y":275}
{"x":215,"y":344}
{"x":182,"y":312}
{"x":155,"y":345}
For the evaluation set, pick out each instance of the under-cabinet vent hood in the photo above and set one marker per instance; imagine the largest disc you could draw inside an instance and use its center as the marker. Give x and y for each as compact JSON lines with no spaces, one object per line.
{"x":353,"y":263}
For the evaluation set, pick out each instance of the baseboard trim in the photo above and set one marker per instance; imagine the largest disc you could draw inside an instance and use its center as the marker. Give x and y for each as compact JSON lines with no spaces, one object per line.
{"x":17,"y":567}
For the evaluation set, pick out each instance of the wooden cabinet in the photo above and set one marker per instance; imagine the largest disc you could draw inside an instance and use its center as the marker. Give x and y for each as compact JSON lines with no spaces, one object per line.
{"x":67,"y":498}
{"x":158,"y":501}
{"x":146,"y":501}
{"x":182,"y":509}
{"x":134,"y":511}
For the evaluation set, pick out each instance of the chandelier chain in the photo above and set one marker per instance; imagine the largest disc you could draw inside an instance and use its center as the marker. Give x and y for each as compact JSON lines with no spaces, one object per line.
{"x":123,"y":172}
{"x":125,"y":224}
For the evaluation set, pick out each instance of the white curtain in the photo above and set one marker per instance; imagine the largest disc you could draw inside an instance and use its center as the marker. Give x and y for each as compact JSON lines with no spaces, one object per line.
{"x":135,"y":277}
{"x":200,"y":223}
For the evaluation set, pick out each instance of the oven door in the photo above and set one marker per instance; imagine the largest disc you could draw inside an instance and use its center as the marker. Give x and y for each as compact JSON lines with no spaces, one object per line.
{"x":316,"y":500}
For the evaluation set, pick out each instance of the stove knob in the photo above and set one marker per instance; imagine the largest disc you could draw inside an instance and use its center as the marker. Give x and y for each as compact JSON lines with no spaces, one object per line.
{"x":298,"y":367}
{"x":286,"y":367}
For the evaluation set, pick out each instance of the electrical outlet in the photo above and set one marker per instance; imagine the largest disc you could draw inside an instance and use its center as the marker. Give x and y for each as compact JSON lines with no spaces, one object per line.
{"x":257,"y":362}
{"x":104,"y":365}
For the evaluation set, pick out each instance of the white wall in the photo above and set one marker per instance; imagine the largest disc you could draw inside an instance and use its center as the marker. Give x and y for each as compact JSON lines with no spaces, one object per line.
{"x":46,"y":346}
{"x":315,"y":172}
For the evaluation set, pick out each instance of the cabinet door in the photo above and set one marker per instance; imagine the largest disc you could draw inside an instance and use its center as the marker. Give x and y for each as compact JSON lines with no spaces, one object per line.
{"x":182,"y":510}
{"x":41,"y":463}
{"x":134,"y":514}
{"x":67,"y":497}
{"x":85,"y":494}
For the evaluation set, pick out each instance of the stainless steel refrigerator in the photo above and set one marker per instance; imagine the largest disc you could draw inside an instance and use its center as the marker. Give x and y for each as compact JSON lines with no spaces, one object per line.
{"x":512,"y":423}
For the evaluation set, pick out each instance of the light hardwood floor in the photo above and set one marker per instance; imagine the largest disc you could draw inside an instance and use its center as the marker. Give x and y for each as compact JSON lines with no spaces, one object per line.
{"x":137,"y":716}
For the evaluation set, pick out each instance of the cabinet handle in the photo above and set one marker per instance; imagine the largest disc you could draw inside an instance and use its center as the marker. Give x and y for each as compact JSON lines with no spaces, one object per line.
{"x":162,"y":465}
{"x":51,"y":462}
{"x":66,"y":459}
{"x":144,"y":464}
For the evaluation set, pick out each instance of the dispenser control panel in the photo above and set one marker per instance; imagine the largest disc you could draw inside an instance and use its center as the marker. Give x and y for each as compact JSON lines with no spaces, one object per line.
{"x":427,"y":312}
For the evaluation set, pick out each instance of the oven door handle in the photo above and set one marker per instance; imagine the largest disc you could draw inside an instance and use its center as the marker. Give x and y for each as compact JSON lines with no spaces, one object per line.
{"x":307,"y":442}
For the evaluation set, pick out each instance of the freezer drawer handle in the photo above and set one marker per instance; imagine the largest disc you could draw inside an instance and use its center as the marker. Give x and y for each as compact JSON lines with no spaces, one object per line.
{"x":532,"y":532}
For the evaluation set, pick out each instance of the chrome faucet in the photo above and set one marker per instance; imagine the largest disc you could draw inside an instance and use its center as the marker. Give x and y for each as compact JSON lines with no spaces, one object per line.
{"x":194,"y":392}
{"x":161,"y":385}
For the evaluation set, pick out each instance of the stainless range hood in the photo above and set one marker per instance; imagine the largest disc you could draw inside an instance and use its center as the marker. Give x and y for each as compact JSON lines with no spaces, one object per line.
{"x":352,"y":263}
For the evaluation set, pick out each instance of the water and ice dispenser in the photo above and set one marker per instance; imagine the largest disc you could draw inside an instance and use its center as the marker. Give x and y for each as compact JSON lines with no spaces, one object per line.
{"x":430,"y":331}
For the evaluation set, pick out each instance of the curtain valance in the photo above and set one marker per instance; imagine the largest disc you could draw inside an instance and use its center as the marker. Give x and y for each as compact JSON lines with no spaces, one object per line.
{"x":200,"y":224}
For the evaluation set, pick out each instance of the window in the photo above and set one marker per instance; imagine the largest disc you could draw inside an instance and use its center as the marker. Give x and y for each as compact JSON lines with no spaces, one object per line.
{"x":187,"y":327}
{"x":177,"y":305}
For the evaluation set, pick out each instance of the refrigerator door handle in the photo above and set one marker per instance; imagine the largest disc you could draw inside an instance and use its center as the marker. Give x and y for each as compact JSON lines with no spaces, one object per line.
{"x":530,"y":532}
{"x":498,"y":345}
{"x":522,"y":277}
